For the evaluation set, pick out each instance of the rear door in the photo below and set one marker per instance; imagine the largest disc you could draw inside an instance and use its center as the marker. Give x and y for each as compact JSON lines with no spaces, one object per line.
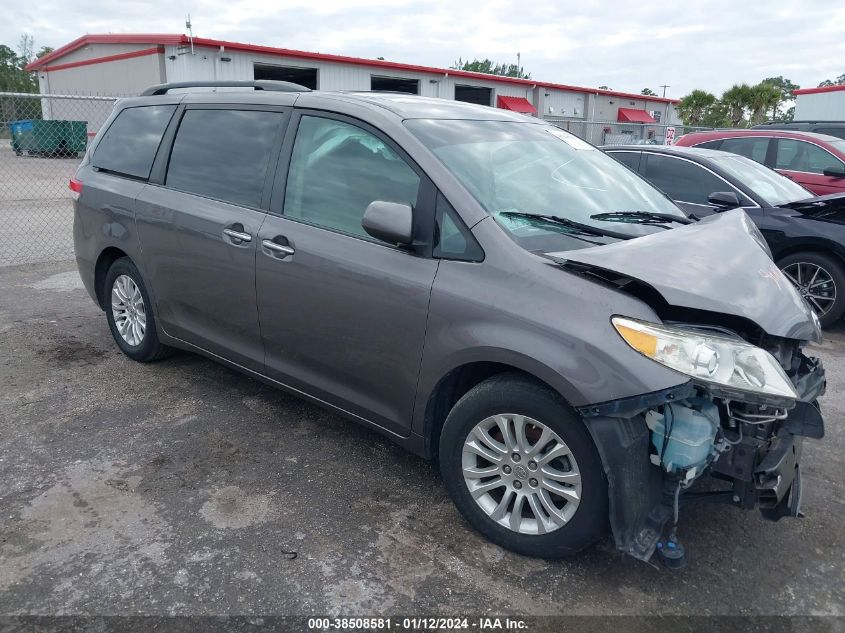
{"x":806,"y":163}
{"x":343,"y":315}
{"x":199,"y":226}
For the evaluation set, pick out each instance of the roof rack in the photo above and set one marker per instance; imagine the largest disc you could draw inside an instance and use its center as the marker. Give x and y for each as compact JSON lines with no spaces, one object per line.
{"x":270,"y":86}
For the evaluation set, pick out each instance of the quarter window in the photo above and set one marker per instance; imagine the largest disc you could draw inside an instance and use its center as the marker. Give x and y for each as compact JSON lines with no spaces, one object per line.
{"x":753,"y":147}
{"x":338,"y":169}
{"x":130,"y":144}
{"x":682,"y":180}
{"x":795,"y":155}
{"x":453,"y":240}
{"x":223,"y":154}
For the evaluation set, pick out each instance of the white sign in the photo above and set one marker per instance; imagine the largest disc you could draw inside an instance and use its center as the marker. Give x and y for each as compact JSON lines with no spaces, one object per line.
{"x":670,"y":136}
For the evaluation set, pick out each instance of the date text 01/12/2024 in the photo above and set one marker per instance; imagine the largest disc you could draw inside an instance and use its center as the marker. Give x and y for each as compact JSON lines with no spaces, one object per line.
{"x":417,"y":624}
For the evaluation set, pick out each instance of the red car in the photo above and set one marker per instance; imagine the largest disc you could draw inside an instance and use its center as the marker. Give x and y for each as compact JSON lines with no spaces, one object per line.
{"x":816,"y":161}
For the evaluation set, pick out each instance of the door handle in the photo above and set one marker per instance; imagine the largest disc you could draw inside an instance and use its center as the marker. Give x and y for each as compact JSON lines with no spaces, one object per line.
{"x":280,"y":250}
{"x":237,"y":236}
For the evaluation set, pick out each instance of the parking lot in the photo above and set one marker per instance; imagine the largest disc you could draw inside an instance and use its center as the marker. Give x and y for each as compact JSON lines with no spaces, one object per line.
{"x":185,"y":488}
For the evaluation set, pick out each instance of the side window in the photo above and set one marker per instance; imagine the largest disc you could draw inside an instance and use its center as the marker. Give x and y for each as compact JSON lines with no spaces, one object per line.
{"x":130,"y":144}
{"x":753,"y":147}
{"x":223,"y":154}
{"x":682,"y":180}
{"x":711,"y":144}
{"x":453,"y":239}
{"x":795,"y":155}
{"x":631,"y":159}
{"x":338,"y":169}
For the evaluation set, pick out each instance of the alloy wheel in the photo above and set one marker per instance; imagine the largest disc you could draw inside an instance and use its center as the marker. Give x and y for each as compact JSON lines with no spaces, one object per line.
{"x":814,"y":283}
{"x":521,"y":474}
{"x":127,"y":306}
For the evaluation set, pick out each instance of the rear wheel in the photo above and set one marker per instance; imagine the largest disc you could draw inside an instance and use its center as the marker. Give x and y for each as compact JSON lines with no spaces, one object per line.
{"x":129,"y":313}
{"x":820,"y":280}
{"x":522,"y":468}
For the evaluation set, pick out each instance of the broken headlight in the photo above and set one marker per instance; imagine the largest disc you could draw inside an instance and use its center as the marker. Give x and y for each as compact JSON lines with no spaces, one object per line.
{"x":730,"y":366}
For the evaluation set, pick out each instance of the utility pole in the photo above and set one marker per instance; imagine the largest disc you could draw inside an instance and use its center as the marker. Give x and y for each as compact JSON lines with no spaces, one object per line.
{"x":664,"y":86}
{"x":519,"y":64}
{"x":190,"y":32}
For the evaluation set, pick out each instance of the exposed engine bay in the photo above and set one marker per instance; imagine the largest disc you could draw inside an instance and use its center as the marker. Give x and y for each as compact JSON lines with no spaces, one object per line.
{"x":748,"y":452}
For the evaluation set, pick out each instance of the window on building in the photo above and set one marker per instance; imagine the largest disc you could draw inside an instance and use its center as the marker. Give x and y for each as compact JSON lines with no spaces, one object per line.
{"x":795,"y":155}
{"x":223,"y":154}
{"x":130,"y":144}
{"x":338,"y":169}
{"x":753,"y":147}
{"x":303,"y":76}
{"x":474,"y":94}
{"x":682,"y":180}
{"x":395,"y":84}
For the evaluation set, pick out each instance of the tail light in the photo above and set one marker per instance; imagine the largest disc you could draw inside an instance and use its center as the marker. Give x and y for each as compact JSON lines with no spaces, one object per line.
{"x":76,"y":187}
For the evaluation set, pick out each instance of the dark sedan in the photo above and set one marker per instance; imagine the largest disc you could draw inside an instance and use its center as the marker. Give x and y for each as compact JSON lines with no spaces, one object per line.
{"x":806,"y":233}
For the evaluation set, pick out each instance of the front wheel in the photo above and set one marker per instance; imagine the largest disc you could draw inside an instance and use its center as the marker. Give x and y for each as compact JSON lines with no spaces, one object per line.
{"x":521,"y":467}
{"x":820,"y":280}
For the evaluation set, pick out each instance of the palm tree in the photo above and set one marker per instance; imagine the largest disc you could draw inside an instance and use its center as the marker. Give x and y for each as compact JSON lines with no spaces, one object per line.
{"x":764,"y":97}
{"x":737,"y":99}
{"x":695,"y":106}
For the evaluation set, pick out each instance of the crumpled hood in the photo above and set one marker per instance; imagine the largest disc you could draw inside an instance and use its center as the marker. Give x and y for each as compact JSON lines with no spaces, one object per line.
{"x":717,"y":265}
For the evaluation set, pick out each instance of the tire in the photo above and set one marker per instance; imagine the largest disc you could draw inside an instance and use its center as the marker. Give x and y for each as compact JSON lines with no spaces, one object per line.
{"x":518,"y":395}
{"x":829,"y":312}
{"x":138,"y":343}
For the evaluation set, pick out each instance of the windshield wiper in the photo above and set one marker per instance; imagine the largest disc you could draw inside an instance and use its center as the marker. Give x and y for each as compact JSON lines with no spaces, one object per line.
{"x":642,"y":217}
{"x":577,"y":227}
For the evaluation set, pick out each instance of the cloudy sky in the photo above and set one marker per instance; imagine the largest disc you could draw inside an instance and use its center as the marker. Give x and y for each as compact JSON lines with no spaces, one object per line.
{"x":624,"y":45}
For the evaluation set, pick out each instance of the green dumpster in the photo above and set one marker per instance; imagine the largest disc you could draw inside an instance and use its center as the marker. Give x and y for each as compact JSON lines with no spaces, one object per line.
{"x":51,"y":138}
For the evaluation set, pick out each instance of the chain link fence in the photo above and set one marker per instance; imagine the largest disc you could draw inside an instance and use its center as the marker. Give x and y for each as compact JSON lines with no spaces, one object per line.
{"x":42,"y":140}
{"x":615,"y":133}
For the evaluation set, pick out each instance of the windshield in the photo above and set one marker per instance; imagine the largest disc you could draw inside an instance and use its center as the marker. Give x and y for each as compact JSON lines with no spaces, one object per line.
{"x":514,"y":169}
{"x":766,"y":183}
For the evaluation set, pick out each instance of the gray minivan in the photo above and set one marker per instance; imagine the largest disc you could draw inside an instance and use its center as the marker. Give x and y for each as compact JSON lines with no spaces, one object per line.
{"x":477,"y":285}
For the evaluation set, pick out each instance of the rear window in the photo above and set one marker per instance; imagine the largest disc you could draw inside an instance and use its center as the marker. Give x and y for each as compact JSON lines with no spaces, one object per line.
{"x":129,"y":145}
{"x":223,"y":154}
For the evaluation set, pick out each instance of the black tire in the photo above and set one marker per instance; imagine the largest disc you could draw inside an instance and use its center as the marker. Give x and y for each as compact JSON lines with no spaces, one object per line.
{"x":518,"y":394}
{"x":150,"y":348}
{"x":834,"y":269}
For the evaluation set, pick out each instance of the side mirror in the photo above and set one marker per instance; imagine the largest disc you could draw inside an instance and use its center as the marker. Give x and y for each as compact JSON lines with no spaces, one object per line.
{"x":835,"y":172}
{"x":389,"y":222}
{"x":724,"y":200}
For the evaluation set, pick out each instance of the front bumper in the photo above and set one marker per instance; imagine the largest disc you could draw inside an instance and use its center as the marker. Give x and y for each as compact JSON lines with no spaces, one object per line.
{"x":762,"y":465}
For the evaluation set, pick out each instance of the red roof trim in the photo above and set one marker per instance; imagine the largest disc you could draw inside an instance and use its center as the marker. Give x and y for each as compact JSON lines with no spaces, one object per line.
{"x":630,"y":115}
{"x":166,"y":39}
{"x":128,"y":38}
{"x":812,"y":91}
{"x":108,"y":58}
{"x":515,"y":104}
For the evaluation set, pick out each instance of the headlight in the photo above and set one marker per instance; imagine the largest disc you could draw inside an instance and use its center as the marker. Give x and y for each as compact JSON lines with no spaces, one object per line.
{"x":734,"y":367}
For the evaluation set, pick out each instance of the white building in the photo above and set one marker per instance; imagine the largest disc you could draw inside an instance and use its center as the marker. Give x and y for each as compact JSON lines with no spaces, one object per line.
{"x":820,"y":104}
{"x":125,"y":64}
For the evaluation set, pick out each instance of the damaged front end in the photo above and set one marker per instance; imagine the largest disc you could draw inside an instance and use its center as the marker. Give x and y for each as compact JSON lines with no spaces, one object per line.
{"x":748,"y":445}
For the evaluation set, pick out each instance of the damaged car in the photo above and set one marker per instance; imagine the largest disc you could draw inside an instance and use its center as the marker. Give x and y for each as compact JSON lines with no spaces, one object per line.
{"x":481,"y":287}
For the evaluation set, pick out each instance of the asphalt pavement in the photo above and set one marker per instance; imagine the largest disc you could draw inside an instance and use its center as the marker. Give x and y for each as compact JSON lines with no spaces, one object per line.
{"x":183,"y":487}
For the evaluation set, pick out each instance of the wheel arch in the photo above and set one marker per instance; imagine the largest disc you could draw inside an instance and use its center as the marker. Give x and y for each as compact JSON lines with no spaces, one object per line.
{"x":459,"y":379}
{"x":820,"y":246}
{"x":105,"y":259}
